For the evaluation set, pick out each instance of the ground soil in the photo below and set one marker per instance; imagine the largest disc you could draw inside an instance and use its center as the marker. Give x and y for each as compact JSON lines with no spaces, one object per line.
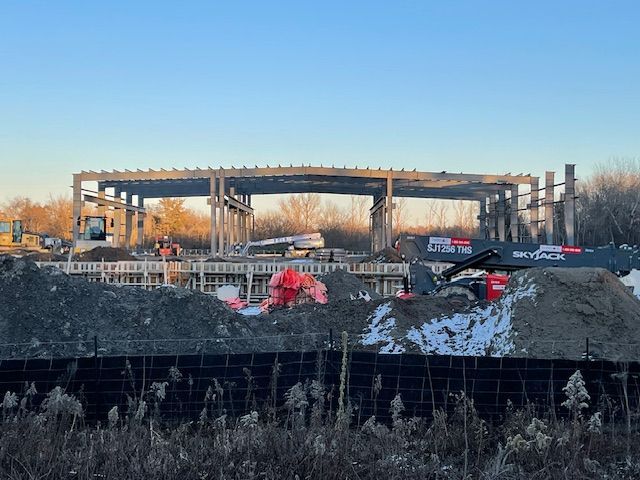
{"x":108,"y":254}
{"x":341,"y":285}
{"x":386,"y":255}
{"x":46,"y":305}
{"x":550,"y":313}
{"x":571,"y":305}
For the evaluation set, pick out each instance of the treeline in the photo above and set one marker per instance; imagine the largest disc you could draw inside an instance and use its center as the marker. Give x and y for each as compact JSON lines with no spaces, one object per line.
{"x":608,"y":205}
{"x":607,"y":210}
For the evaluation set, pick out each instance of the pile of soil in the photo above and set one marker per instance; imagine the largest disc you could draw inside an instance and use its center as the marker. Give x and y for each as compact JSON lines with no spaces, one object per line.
{"x":354,"y":316}
{"x":543,"y":313}
{"x":46,"y":257}
{"x":45,"y":305}
{"x":386,"y":255}
{"x":342,"y":285}
{"x":108,"y":254}
{"x":570,"y":305}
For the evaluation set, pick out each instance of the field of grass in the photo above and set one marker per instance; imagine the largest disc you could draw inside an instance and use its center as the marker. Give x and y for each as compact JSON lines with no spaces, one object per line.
{"x":307,"y":439}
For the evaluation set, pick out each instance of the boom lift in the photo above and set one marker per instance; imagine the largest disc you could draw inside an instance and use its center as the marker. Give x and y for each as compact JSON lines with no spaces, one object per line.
{"x":303,"y":245}
{"x":492,"y":256}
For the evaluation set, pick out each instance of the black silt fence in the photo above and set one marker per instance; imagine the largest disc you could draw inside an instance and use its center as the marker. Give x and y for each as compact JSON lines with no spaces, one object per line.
{"x":424,"y":382}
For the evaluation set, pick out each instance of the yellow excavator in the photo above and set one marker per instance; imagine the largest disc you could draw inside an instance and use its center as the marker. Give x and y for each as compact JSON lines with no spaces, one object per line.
{"x":13,"y":236}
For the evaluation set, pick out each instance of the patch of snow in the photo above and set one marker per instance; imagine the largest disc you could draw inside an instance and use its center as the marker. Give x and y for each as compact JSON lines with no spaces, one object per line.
{"x":379,"y":330}
{"x":251,"y":311}
{"x":481,"y":331}
{"x":632,"y":280}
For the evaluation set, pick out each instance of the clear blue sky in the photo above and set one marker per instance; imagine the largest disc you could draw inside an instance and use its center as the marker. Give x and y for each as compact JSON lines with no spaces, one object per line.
{"x":478,"y":86}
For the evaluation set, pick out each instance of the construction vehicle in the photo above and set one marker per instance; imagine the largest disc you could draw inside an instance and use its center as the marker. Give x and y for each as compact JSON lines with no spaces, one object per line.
{"x":495,"y":256}
{"x":303,"y":245}
{"x":14,"y":236}
{"x":55,"y":244}
{"x":94,"y":234}
{"x":165,"y":246}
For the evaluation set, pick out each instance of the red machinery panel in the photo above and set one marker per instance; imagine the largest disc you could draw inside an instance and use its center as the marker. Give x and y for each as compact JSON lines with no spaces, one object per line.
{"x":495,"y":285}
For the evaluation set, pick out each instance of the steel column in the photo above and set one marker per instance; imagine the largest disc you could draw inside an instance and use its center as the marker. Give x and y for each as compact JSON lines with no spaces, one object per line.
{"x":389,"y":205}
{"x":101,"y":194}
{"x":140,"y":233}
{"x":221,"y":213}
{"x":533,"y":210}
{"x":492,"y":217}
{"x":117,"y":218}
{"x":482,"y":219}
{"x":77,"y":207}
{"x":501,"y":216}
{"x":548,"y":206}
{"x":212,"y":196}
{"x":570,"y":203}
{"x":232,"y":219}
{"x":514,"y":227}
{"x":128,"y":226}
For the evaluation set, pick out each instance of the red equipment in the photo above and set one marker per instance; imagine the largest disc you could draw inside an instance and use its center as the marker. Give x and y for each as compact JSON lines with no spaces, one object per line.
{"x":165,"y":246}
{"x":495,"y":285}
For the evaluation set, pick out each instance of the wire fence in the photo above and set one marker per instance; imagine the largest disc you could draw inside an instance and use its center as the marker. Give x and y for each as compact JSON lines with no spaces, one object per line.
{"x":259,"y":380}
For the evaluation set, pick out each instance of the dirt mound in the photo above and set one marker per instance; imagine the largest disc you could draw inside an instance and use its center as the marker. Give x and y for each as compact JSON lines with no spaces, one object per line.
{"x":46,"y":257}
{"x":108,"y":254}
{"x":543,"y":313}
{"x":341,"y":285}
{"x":569,"y":305}
{"x":386,"y":255}
{"x":356,"y":317}
{"x":46,"y":305}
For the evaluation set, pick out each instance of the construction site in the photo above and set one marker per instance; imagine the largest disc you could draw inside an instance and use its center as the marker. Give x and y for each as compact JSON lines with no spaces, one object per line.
{"x":510,"y":325}
{"x":513,"y":291}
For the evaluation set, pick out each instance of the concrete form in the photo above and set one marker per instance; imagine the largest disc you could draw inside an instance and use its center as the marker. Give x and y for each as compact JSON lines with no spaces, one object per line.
{"x":252,"y":278}
{"x":232,"y":216}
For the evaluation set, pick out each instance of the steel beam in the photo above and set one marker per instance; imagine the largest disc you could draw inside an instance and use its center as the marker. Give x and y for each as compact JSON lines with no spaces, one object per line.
{"x":302,"y":170}
{"x":105,"y":202}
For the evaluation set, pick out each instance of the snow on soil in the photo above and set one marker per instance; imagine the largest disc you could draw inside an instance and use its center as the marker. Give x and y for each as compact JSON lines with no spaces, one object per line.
{"x":633,"y":280}
{"x":250,"y":311}
{"x":483,"y":330}
{"x":379,"y":330}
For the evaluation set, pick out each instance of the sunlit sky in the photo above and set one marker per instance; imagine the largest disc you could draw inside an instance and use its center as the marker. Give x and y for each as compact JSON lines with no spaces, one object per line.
{"x":476,"y":86}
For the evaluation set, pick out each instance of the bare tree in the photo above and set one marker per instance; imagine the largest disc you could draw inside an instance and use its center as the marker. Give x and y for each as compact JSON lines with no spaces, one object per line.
{"x":302,"y":210}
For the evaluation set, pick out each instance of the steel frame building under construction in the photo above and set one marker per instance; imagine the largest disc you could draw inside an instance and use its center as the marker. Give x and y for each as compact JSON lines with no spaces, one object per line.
{"x":230,"y":190}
